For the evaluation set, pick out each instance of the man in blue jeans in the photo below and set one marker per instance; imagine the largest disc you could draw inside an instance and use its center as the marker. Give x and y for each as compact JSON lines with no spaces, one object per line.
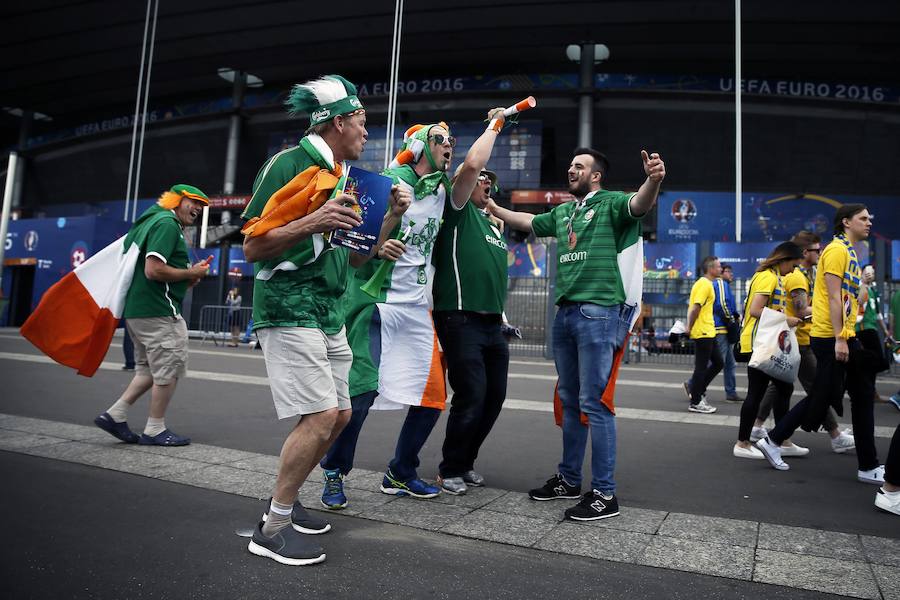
{"x":595,"y":233}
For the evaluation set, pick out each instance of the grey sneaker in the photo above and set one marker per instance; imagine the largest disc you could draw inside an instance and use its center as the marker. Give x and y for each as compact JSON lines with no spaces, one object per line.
{"x":452,"y":485}
{"x":844,"y":442}
{"x":758,"y":433}
{"x":702,"y":407}
{"x":473,"y":478}
{"x":287,"y":547}
{"x":302,"y":521}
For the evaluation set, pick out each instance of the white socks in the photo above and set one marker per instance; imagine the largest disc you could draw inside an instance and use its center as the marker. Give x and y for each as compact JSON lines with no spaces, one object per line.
{"x":154,"y":426}
{"x":119,"y":411}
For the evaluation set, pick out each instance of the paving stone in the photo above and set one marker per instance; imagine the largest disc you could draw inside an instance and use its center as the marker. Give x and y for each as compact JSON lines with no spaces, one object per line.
{"x":499,"y":527}
{"x":882,"y":551}
{"x":362,"y":479}
{"x":260,"y":463}
{"x":721,"y":560}
{"x":228,"y":479}
{"x":888,"y":580}
{"x":197,"y":452}
{"x":116,"y":458}
{"x":638,"y":520}
{"x":423,"y":514}
{"x":15,"y":440}
{"x":519,"y":503}
{"x":729,"y":532}
{"x":814,"y":542}
{"x":595,"y":542}
{"x":359,"y":501}
{"x":475,"y":497}
{"x":835,"y":576}
{"x":67,"y":431}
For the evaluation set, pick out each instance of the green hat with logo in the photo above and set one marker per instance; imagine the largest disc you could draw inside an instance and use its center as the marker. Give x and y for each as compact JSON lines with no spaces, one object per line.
{"x":324,"y":99}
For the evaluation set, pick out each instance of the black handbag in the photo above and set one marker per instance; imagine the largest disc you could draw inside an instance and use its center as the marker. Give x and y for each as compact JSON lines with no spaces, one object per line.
{"x":741,"y":357}
{"x":733,"y":331}
{"x":872,"y":355}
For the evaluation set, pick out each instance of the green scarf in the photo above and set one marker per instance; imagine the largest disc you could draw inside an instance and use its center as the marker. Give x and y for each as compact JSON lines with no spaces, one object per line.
{"x":422,"y":186}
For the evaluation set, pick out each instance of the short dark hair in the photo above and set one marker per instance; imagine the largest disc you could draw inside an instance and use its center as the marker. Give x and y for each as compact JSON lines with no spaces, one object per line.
{"x":846,"y":211}
{"x":726,"y":266}
{"x":805,"y":238}
{"x":601,"y":163}
{"x":707,"y":263}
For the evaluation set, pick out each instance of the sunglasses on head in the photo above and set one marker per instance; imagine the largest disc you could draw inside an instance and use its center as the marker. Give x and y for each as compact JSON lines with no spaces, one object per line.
{"x":439,"y":139}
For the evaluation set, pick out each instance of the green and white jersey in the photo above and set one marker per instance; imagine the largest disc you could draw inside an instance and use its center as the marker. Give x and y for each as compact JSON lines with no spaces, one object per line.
{"x":303,"y":286}
{"x":157,"y":233}
{"x":587,"y":267}
{"x":407,"y":280}
{"x":470,"y":262}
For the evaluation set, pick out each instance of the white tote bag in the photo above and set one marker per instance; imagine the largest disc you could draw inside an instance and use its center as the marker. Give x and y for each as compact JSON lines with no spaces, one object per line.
{"x":775,"y":349}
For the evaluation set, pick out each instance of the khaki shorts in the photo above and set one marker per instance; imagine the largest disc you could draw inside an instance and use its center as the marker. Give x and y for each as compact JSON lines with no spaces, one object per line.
{"x":308,"y":369}
{"x":160,"y":347}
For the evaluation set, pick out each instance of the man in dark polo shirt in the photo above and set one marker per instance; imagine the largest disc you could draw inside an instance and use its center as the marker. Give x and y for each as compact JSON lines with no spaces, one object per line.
{"x":469,"y":294}
{"x":592,"y":320}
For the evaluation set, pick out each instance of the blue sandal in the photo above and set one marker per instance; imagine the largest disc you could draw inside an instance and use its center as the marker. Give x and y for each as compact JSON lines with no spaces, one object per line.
{"x":165,"y":438}
{"x":118,"y":430}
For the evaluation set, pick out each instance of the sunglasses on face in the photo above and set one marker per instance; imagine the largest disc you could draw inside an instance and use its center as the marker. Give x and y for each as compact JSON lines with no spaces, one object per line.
{"x":439,"y":139}
{"x":814,"y":250}
{"x":483,"y":178}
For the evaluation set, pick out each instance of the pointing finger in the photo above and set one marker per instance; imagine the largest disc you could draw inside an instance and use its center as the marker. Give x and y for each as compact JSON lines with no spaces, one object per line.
{"x":644,"y":156}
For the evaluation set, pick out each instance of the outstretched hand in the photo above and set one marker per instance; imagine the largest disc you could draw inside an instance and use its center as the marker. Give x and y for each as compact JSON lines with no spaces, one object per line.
{"x":654,"y":166}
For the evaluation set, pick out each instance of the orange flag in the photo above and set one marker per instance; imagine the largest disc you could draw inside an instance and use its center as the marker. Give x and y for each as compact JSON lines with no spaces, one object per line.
{"x":607,"y":399}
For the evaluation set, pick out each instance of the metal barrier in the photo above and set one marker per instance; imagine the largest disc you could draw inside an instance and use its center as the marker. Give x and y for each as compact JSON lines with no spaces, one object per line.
{"x":526,"y":308}
{"x":216,"y":322}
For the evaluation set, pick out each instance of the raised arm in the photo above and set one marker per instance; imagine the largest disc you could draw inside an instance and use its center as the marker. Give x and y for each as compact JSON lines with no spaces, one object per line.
{"x":516,"y":220}
{"x":645,"y":198}
{"x":477,"y":158}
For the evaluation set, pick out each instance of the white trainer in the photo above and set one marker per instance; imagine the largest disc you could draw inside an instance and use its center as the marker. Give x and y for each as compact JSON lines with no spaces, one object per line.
{"x":758,"y":433}
{"x":844,"y":442}
{"x":772,"y":452}
{"x":875,"y":475}
{"x":750,"y":452}
{"x":888,"y":501}
{"x":794,"y":450}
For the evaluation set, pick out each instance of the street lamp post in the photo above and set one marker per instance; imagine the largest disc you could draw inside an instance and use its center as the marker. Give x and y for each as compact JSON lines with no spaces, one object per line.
{"x":587,"y":54}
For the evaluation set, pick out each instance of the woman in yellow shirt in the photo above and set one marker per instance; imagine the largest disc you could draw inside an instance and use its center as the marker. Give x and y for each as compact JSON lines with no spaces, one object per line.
{"x":766,"y":291}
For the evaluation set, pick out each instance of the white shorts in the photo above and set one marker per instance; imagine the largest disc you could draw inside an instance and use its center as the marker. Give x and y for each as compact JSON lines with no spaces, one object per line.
{"x":308,"y":369}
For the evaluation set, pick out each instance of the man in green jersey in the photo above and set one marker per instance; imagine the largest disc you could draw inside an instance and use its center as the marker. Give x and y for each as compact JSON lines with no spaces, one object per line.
{"x":162,"y":276}
{"x":296,"y":310}
{"x":593,"y":317}
{"x":470,"y":260}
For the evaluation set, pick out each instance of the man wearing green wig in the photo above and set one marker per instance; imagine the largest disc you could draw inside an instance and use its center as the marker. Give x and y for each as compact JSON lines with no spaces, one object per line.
{"x":299,"y":279}
{"x":396,"y":358}
{"x":153,"y":311}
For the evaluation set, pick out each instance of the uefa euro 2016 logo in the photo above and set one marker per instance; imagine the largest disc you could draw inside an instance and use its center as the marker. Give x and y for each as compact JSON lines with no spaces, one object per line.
{"x":31,"y":240}
{"x":784,"y":342}
{"x":683,"y":210}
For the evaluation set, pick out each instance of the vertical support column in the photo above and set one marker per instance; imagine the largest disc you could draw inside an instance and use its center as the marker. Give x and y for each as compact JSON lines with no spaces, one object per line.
{"x":234,"y":132}
{"x":7,"y":205}
{"x":738,"y":135}
{"x":19,"y":178}
{"x":586,"y":100}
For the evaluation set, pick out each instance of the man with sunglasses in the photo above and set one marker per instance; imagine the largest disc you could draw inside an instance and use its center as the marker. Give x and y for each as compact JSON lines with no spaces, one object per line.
{"x":396,"y":358}
{"x":593,"y":317}
{"x":469,"y":294}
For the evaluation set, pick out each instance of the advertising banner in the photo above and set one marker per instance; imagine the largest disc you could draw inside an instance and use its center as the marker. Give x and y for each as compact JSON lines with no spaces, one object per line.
{"x":670,"y":261}
{"x":527,"y":260}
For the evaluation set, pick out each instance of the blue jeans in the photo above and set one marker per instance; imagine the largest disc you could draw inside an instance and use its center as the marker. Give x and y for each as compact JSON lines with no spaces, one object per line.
{"x":585,"y":339}
{"x":416,"y":428}
{"x":727,"y":353}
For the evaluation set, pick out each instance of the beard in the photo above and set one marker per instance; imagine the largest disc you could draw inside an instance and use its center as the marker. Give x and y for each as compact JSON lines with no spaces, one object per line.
{"x":579,"y":189}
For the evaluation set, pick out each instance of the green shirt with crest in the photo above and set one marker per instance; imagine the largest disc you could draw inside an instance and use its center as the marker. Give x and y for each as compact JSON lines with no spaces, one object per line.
{"x":586,"y":266}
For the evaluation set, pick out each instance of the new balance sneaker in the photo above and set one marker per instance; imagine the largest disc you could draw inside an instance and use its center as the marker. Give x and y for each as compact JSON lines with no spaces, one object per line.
{"x":452,"y":485}
{"x":287,"y":547}
{"x":302,"y":521}
{"x":758,"y":433}
{"x":414,"y":487}
{"x":702,"y":407}
{"x":333,"y":493}
{"x":473,"y":478}
{"x":556,"y":488}
{"x":594,"y":506}
{"x":888,"y":501}
{"x":844,"y":442}
{"x":875,"y":475}
{"x":794,"y":450}
{"x":749,"y":452}
{"x":772,"y":453}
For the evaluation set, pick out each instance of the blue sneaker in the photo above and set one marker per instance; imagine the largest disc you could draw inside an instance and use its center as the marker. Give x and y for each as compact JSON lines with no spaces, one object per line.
{"x":333,"y":495}
{"x":895,"y":400}
{"x":414,"y":487}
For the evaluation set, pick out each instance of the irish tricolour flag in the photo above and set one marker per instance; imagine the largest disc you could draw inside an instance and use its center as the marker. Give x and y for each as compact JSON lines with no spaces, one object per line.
{"x":76,"y":318}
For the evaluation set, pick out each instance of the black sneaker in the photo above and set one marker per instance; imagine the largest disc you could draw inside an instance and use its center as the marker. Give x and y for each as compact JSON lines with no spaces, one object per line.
{"x":286,"y":547}
{"x":556,"y":488}
{"x":302,"y":521}
{"x":593,"y":506}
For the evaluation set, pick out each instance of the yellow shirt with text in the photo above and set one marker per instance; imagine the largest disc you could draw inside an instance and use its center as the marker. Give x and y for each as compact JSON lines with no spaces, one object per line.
{"x":835,"y":260}
{"x":703,"y":294}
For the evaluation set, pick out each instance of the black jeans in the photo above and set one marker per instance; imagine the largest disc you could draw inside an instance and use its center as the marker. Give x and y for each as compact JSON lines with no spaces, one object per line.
{"x":708,"y":363}
{"x":832,"y":378}
{"x":757,"y":382}
{"x":477,"y":358}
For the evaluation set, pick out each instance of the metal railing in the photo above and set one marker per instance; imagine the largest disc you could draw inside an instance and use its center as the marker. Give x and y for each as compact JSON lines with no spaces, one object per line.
{"x":218,"y":321}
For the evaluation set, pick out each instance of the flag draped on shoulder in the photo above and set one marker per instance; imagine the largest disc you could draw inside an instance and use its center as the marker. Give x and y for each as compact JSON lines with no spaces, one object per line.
{"x":630,"y":258}
{"x":76,"y":318}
